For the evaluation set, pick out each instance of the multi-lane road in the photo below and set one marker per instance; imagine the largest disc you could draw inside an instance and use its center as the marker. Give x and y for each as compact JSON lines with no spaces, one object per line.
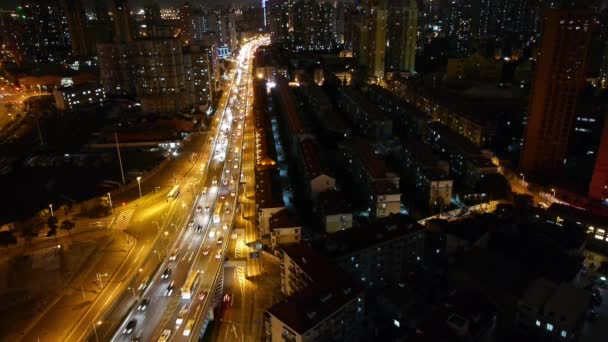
{"x":201,"y":242}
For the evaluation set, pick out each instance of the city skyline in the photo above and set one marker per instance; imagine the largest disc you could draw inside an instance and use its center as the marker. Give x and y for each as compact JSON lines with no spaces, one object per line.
{"x":304,"y":170}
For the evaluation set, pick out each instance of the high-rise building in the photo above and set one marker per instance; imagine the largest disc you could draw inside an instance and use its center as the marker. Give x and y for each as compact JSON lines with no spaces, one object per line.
{"x":46,"y":37}
{"x":402,"y":35}
{"x":11,"y":37}
{"x":558,"y":79}
{"x":313,"y":26}
{"x":122,"y":22}
{"x":75,"y":16}
{"x":376,"y":45}
{"x":598,"y":189}
{"x":152,"y":12}
{"x":278,"y":12}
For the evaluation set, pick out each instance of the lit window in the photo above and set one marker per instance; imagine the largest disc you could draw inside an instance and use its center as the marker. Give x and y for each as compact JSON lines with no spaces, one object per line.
{"x":537,"y":323}
{"x":549,"y":327}
{"x":564,"y":333}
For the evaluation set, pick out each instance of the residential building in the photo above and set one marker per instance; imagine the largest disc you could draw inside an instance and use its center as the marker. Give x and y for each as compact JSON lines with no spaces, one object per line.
{"x":385,"y":251}
{"x":75,"y":16}
{"x":78,"y":96}
{"x":364,"y":116}
{"x":46,"y":37}
{"x":551,"y":312}
{"x":375,"y":183}
{"x":334,"y":211}
{"x":598,"y":189}
{"x":123,"y":31}
{"x":559,"y":78}
{"x":322,"y":302}
{"x":376,"y":43}
{"x":315,"y":175}
{"x":432,"y":181}
{"x":467,"y":162}
{"x":268,"y":198}
{"x":284,"y":229}
{"x":402,"y":27}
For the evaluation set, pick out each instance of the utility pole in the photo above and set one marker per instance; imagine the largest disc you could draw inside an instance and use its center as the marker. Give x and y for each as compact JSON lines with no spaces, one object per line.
{"x":122,"y":172}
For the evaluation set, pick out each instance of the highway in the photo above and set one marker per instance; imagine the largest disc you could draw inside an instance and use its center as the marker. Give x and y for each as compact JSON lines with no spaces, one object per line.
{"x":201,"y":240}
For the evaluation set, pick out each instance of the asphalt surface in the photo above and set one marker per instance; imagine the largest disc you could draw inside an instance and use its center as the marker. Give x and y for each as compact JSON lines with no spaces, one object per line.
{"x":210,"y":214}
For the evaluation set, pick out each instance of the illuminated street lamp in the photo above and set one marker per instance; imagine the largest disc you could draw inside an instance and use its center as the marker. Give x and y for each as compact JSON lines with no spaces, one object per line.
{"x":52,"y":213}
{"x":553,"y":191}
{"x":139,"y":185}
{"x":110,"y":200}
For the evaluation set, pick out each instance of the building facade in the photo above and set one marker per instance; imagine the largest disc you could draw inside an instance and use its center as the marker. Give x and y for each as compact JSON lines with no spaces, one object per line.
{"x":559,"y":78}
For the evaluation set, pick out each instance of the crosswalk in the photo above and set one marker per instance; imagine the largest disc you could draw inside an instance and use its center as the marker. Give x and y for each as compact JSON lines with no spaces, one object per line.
{"x":121,"y":222}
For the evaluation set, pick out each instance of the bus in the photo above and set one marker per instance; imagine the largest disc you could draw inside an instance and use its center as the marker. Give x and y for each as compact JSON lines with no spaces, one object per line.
{"x":174,"y":192}
{"x":190,"y":285}
{"x":217,"y":213}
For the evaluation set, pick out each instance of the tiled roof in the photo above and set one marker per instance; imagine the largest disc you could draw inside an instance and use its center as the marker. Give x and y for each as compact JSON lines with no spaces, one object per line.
{"x":311,"y":158}
{"x":363,"y":151}
{"x":268,"y":192}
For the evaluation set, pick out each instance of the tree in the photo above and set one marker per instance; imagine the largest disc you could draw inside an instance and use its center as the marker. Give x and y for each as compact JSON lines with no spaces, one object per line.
{"x":52,"y":222}
{"x":495,"y":186}
{"x":67,"y":225}
{"x":7,"y":238}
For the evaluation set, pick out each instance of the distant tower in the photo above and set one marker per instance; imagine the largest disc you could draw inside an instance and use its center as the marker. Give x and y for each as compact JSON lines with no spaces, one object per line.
{"x":598,"y":189}
{"x":76,"y":20}
{"x":558,"y":80}
{"x":376,"y":29}
{"x":402,"y":35}
{"x":122,"y":19}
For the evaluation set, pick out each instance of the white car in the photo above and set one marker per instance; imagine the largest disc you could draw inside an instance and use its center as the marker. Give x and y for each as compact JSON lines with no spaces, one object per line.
{"x":174,"y":255}
{"x":218,"y":255}
{"x":206,"y":251}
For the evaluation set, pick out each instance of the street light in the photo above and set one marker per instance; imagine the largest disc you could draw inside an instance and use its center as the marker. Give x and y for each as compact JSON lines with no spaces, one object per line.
{"x":139,"y":185}
{"x":52,"y":213}
{"x":110,"y":200}
{"x":553,"y":190}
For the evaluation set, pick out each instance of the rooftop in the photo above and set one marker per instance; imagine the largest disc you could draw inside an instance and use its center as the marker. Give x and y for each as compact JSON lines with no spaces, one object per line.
{"x":567,"y":305}
{"x":283,"y":219}
{"x":389,"y":228}
{"x":268,"y":192}
{"x":454,"y":141}
{"x":384,"y":188}
{"x":334,"y":202}
{"x":303,"y":311}
{"x":373,"y":113}
{"x":288,"y":107}
{"x":311,"y":158}
{"x":373,"y":164}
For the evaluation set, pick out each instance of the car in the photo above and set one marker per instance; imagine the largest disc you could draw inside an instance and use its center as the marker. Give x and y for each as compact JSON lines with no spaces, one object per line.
{"x":143,"y":305}
{"x":166,"y":273}
{"x":188,"y":328}
{"x":164,"y":337}
{"x":227,"y":210}
{"x":218,"y":255}
{"x":214,"y":181}
{"x":225,"y":227}
{"x":202,"y":295}
{"x":169,"y":290}
{"x":180,"y":317}
{"x":144,"y":284}
{"x":191,"y":224}
{"x":220,"y":240}
{"x":199,"y":209}
{"x":226,"y":298}
{"x":174,"y":255}
{"x":207,"y":209}
{"x":199,"y":228}
{"x":233,"y":194}
{"x":130,"y":326}
{"x":225,"y":181}
{"x":222,"y":197}
{"x":232,"y":181}
{"x":206,"y":251}
{"x":227,"y":170}
{"x":204,"y":191}
{"x":236,"y":166}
